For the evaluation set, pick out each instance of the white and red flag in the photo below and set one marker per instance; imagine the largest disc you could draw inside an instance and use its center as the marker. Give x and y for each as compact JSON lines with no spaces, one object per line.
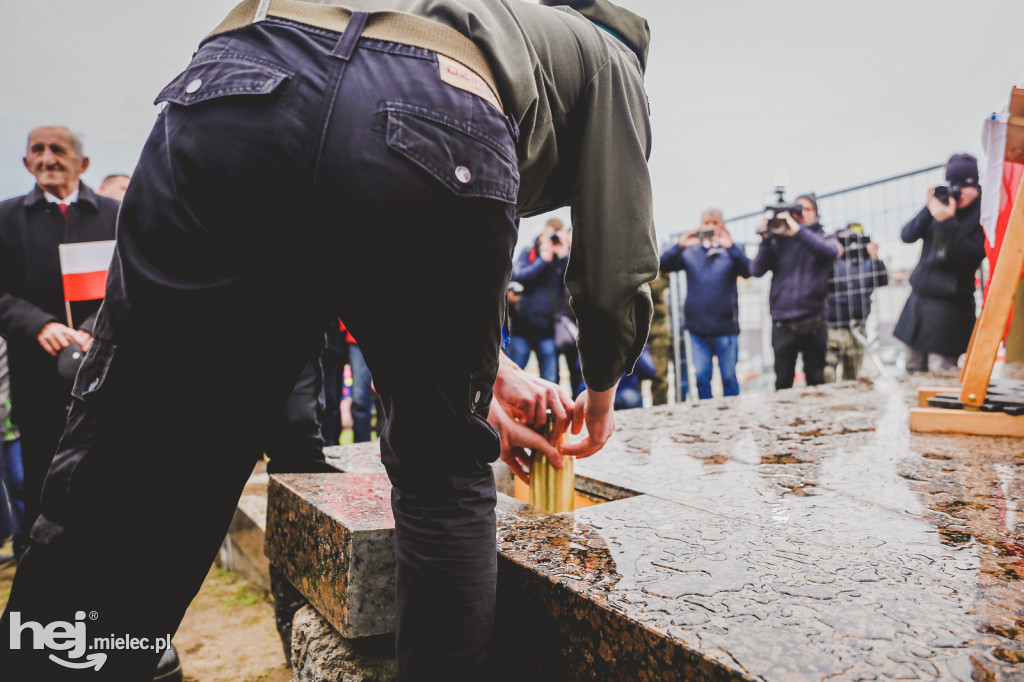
{"x":84,"y":266}
{"x":1003,"y":139}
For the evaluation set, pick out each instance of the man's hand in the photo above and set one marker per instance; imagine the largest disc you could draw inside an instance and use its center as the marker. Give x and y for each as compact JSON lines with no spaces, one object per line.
{"x":872,"y":249}
{"x":595,"y":409}
{"x":564,"y":245}
{"x":515,"y":438}
{"x":528,"y":399}
{"x":724,"y":238}
{"x":84,"y":339}
{"x":794,"y":226}
{"x":689,"y":239}
{"x":545,"y":249}
{"x":940,"y":211}
{"x":55,"y":337}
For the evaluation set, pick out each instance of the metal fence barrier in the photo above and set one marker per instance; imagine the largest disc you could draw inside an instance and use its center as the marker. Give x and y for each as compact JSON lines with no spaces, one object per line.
{"x":882,"y":207}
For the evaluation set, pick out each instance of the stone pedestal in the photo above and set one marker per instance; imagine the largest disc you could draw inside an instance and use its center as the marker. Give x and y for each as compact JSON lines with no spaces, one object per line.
{"x":799,"y":535}
{"x":320,"y":654}
{"x":332,"y":536}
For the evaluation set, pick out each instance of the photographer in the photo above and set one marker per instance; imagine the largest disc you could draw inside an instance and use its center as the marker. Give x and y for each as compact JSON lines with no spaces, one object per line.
{"x":938,"y":317}
{"x":541,"y":271}
{"x":855,"y":276}
{"x":800,"y":257}
{"x":712,"y":262}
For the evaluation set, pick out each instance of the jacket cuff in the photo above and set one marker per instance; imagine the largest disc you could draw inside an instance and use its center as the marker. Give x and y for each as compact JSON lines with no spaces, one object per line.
{"x":603,"y":363}
{"x":35,"y":321}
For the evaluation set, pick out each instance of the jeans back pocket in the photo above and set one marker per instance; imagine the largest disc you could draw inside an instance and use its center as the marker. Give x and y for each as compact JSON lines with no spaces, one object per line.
{"x":224,"y":76}
{"x":462,"y":156}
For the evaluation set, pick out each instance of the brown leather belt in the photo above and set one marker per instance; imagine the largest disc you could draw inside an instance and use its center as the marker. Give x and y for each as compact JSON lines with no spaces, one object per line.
{"x":394,"y":27}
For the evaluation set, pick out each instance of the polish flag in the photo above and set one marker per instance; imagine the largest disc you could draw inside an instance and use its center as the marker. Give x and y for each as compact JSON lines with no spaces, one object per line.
{"x":84,"y":267}
{"x":1003,"y":138}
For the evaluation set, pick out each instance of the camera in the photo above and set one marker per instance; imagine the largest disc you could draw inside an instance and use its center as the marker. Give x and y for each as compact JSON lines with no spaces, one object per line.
{"x":555,"y":239}
{"x":777,"y":225}
{"x":705,"y":234}
{"x":944,"y":194}
{"x":854,"y":241}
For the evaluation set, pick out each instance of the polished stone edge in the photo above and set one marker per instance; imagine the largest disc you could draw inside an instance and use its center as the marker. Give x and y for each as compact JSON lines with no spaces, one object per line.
{"x":347,"y":576}
{"x":547,"y":631}
{"x":603,"y":489}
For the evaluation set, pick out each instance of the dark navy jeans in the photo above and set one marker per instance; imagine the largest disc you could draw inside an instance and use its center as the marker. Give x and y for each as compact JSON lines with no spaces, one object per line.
{"x":283,"y":151}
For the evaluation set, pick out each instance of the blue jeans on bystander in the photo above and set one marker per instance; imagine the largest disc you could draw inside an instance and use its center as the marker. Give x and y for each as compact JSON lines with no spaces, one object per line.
{"x":519,"y":348}
{"x":726,"y":348}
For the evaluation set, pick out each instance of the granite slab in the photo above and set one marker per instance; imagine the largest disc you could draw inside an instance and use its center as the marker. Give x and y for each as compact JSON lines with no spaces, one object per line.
{"x":803,"y":535}
{"x":332,"y":536}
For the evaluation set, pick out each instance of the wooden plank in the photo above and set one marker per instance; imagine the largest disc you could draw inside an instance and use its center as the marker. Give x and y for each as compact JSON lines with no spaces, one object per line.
{"x":939,"y":420}
{"x":970,"y":346}
{"x":931,"y":391}
{"x":994,"y":316}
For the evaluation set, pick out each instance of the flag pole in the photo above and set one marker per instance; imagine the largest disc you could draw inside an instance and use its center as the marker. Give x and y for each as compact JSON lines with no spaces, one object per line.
{"x":67,"y":309}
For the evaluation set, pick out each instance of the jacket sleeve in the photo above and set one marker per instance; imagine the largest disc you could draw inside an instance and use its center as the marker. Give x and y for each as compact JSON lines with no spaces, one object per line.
{"x":764,"y":259}
{"x":740,"y":262}
{"x":19,"y":318}
{"x":672,"y":259}
{"x":881,"y":275}
{"x":825,"y":249}
{"x":526,"y":272}
{"x":967,"y":246}
{"x":614,"y":251}
{"x":918,"y":226}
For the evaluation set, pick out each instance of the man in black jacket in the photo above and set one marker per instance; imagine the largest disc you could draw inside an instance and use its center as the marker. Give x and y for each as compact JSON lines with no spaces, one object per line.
{"x":801,"y":261}
{"x":939,"y":315}
{"x":60,"y":209}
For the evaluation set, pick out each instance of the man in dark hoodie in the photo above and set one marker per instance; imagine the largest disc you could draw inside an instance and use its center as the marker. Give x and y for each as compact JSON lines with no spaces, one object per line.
{"x":800,"y":260}
{"x":939,"y":315}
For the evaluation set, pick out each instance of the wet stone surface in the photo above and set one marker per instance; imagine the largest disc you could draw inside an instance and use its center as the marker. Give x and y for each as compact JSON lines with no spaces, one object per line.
{"x":805,"y":535}
{"x":332,"y":536}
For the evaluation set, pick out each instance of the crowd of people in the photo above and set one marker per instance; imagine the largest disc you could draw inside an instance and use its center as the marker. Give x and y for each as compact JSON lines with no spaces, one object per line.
{"x":187,"y":279}
{"x":819,"y":301}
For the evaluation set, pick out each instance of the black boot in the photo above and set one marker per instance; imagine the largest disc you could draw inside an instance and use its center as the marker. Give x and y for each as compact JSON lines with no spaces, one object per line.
{"x":169,"y":667}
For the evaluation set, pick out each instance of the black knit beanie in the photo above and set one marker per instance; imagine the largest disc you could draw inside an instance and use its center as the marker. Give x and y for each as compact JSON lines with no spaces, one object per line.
{"x":962,"y":170}
{"x":631,"y":30}
{"x":811,"y":197}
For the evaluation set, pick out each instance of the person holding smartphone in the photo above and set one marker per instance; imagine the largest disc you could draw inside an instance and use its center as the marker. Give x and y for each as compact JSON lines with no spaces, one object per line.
{"x":713,"y":263}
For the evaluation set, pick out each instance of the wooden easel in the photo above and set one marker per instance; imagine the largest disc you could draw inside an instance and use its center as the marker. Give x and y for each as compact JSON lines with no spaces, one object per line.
{"x":981,"y":353}
{"x":990,"y":327}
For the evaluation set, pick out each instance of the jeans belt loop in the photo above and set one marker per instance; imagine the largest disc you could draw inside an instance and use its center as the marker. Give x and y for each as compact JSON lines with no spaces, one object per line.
{"x":350,"y":36}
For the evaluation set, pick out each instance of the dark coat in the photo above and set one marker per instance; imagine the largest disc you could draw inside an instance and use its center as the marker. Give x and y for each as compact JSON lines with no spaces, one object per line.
{"x":32,"y":290}
{"x":544,"y":295}
{"x":854,"y":277}
{"x":801,"y":266}
{"x":938,"y":317}
{"x":712,"y":300}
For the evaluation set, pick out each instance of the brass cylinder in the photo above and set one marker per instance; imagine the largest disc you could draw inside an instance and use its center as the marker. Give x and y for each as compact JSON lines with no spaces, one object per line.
{"x":550,"y":488}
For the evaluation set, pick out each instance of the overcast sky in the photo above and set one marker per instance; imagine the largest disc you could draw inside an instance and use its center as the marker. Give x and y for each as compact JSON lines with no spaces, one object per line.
{"x":829,"y":94}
